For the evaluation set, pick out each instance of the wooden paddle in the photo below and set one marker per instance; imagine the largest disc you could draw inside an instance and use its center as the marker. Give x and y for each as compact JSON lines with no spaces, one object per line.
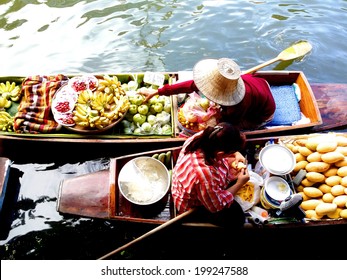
{"x":147,"y":234}
{"x":295,"y":51}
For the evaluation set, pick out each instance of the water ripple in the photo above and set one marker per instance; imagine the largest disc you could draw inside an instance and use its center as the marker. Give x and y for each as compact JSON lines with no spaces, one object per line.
{"x":122,"y":36}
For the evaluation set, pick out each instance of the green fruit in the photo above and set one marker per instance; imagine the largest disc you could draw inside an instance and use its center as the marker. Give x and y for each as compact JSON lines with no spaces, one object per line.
{"x":161,"y":157}
{"x":151,"y":110}
{"x":162,"y":99}
{"x":153,"y":100}
{"x":143,"y":109}
{"x":158,"y":107}
{"x":139,"y":119}
{"x":166,"y":129}
{"x":151,"y":119}
{"x":133,"y":109}
{"x":167,"y":108}
{"x":137,"y":131}
{"x":129,"y":117}
{"x":146,"y":127}
{"x":168,"y":159}
{"x":155,"y":156}
{"x":136,"y":99}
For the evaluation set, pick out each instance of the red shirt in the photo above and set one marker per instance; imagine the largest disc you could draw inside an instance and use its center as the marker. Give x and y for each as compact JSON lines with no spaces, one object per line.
{"x":257,"y":107}
{"x":195,"y":183}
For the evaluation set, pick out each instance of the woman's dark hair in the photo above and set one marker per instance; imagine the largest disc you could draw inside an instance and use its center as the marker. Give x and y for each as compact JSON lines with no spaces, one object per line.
{"x":223,"y":137}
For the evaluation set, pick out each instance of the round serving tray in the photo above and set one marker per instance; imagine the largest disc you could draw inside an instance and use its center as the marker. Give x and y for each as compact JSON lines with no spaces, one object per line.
{"x":68,"y":94}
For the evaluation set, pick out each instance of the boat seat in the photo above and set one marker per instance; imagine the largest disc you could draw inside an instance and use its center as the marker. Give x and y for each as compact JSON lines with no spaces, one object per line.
{"x":287,"y":105}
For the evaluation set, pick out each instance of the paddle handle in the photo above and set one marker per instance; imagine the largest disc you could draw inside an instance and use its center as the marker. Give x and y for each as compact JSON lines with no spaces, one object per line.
{"x":149,"y":233}
{"x":264,"y":64}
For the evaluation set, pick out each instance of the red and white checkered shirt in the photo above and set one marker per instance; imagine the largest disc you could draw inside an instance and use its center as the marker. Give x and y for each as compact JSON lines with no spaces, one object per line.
{"x":195,"y":183}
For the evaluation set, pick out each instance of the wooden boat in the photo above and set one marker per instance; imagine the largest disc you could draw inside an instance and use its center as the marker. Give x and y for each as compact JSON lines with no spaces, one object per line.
{"x":314,"y":104}
{"x":97,"y":194}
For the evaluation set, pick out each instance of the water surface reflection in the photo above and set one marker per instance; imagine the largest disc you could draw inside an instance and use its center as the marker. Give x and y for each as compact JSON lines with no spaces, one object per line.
{"x":129,"y":36}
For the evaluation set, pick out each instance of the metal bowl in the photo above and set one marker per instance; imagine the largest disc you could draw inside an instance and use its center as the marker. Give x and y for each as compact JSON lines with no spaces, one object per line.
{"x":144,"y":180}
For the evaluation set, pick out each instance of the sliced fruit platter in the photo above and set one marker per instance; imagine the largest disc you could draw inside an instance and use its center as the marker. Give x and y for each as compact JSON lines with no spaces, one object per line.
{"x":87,"y":104}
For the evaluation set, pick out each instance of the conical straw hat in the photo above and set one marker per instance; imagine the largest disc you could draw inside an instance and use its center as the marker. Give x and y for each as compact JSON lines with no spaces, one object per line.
{"x":219,"y":80}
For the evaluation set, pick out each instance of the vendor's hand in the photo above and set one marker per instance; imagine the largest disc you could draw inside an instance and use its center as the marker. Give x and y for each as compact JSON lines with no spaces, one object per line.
{"x":237,"y":161}
{"x":243,"y":176}
{"x":238,"y":165}
{"x":148,"y":93}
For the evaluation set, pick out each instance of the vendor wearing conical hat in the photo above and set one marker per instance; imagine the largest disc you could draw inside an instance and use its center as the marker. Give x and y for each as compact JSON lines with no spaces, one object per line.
{"x":246,"y":100}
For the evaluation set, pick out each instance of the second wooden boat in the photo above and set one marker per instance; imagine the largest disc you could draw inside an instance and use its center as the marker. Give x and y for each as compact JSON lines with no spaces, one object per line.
{"x":97,"y":195}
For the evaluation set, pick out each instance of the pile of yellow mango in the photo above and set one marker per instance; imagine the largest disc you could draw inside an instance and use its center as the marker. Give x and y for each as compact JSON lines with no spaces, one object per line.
{"x":324,"y":187}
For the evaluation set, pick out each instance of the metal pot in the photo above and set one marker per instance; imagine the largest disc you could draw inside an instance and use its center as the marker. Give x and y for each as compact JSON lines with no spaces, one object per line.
{"x":144,"y":180}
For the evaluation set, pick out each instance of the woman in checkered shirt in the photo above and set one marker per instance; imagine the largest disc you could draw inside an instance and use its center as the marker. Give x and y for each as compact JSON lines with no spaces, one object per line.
{"x":204,"y":178}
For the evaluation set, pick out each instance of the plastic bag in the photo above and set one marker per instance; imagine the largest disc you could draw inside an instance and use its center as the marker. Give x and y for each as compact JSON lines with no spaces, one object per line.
{"x":195,"y":111}
{"x":257,"y":182}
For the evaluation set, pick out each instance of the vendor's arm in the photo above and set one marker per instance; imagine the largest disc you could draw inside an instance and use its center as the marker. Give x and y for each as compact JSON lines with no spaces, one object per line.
{"x":211,"y":192}
{"x":167,"y":90}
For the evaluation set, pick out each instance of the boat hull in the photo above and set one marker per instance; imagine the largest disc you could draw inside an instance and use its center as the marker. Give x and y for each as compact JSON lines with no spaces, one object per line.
{"x":309,"y":106}
{"x":114,"y":206}
{"x":97,"y":195}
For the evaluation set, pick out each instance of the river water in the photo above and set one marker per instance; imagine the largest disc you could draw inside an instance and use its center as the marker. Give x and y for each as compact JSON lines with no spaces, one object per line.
{"x":57,"y":36}
{"x":69,"y":37}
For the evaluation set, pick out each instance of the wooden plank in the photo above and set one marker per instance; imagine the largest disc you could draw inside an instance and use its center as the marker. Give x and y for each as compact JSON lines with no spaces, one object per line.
{"x":332,"y":103}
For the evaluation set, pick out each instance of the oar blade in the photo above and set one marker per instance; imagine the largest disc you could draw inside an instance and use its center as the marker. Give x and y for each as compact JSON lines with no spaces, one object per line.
{"x":295,"y":51}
